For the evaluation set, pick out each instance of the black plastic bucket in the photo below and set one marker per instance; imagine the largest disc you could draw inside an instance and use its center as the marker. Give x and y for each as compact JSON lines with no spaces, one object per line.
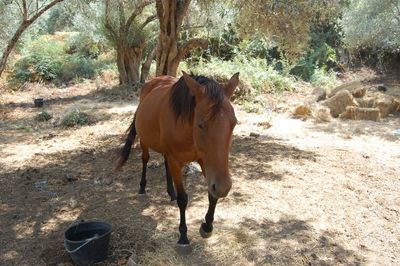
{"x":38,"y":102}
{"x":87,"y":241}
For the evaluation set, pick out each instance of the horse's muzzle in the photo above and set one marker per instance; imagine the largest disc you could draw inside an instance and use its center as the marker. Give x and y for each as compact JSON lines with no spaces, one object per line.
{"x":220,"y":190}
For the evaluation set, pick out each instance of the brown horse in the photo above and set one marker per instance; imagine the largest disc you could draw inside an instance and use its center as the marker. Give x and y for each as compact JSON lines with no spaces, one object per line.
{"x":187,"y":119}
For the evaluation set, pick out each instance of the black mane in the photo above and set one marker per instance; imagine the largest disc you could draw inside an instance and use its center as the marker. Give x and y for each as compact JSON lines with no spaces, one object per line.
{"x":183,"y":103}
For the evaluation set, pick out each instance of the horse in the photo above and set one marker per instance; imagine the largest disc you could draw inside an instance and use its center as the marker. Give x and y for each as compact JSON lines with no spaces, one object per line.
{"x":190,"y":119}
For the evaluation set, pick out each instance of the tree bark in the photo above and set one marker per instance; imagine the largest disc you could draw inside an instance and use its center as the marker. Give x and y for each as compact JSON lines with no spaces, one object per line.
{"x":26,"y":22}
{"x":129,"y":54}
{"x":169,"y":53}
{"x":146,"y":65}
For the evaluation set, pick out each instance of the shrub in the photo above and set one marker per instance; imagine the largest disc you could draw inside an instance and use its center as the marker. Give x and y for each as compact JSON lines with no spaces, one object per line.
{"x":77,"y":67}
{"x":75,"y":118}
{"x":43,"y":116}
{"x":261,"y":76}
{"x":47,"y":59}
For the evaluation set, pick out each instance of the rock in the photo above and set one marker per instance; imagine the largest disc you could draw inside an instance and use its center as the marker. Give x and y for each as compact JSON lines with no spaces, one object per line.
{"x":254,"y":134}
{"x":265,"y":124}
{"x":381,"y":88}
{"x":338,"y":103}
{"x":131,"y":261}
{"x":358,"y":113}
{"x":302,"y":111}
{"x":73,"y":203}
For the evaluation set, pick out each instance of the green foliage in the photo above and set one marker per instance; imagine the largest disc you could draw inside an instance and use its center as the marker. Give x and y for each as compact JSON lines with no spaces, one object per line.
{"x":51,"y":59}
{"x":372,"y":24}
{"x":75,"y":118}
{"x":77,"y":67}
{"x":84,"y":45}
{"x":43,"y":116}
{"x":261,"y":76}
{"x":323,"y":79}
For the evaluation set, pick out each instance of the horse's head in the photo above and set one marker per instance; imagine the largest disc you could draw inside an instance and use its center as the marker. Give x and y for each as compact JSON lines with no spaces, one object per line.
{"x":213,"y":123}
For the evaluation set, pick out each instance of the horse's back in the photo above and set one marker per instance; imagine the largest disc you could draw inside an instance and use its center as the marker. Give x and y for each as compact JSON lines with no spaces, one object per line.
{"x":154,"y":99}
{"x":161,"y":82}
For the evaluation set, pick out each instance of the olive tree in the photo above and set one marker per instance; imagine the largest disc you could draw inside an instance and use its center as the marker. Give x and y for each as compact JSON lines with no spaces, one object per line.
{"x":26,"y":12}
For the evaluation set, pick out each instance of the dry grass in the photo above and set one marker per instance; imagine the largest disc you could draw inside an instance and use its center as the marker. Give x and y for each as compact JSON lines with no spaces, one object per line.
{"x":303,"y":193}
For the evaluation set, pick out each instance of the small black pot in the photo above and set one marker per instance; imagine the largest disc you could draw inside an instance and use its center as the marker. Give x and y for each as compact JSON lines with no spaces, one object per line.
{"x":38,"y":102}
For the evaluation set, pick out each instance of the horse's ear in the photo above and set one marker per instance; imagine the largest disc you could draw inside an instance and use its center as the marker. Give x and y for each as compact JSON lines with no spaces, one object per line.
{"x":231,"y":85}
{"x":195,"y":88}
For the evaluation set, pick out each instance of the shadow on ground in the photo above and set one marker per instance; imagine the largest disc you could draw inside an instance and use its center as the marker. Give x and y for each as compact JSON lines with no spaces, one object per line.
{"x":38,"y":205}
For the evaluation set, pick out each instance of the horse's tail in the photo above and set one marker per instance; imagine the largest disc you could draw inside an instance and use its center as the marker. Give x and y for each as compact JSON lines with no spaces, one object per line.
{"x":126,"y":150}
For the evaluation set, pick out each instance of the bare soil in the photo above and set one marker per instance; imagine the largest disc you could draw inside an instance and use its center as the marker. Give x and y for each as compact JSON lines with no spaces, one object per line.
{"x":304,"y":193}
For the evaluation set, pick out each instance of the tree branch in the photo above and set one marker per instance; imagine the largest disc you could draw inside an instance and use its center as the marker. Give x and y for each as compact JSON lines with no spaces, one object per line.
{"x":182,"y":13}
{"x":147,"y":21}
{"x":137,"y":11}
{"x":190,"y":45}
{"x":107,"y":23}
{"x":38,"y":14}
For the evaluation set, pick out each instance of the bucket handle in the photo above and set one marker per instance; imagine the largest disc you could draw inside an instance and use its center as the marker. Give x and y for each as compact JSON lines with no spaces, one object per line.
{"x":96,"y":236}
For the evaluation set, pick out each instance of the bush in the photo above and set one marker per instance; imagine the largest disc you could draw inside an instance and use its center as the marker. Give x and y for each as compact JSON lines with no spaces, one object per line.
{"x":83,"y":45}
{"x":75,"y":118}
{"x":47,"y":59}
{"x":261,"y":76}
{"x":77,"y":67}
{"x":43,"y":116}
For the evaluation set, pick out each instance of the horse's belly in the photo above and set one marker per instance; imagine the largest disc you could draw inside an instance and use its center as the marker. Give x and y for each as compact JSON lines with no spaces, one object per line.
{"x":147,"y":123}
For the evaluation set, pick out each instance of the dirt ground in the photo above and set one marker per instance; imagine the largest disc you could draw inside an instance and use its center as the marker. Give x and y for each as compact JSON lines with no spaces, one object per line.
{"x":304,"y":193}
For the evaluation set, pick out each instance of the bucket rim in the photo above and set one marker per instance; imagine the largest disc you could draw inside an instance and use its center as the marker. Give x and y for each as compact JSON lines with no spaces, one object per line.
{"x":79,"y":222}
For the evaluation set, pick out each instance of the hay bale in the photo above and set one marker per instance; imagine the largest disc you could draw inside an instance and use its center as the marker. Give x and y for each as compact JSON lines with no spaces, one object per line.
{"x":319,"y":94}
{"x":322,"y":114}
{"x":366,"y":102}
{"x":396,"y":105}
{"x":385,"y":104}
{"x":348,"y":86}
{"x":338,"y":103}
{"x":359,"y":113}
{"x":302,"y":111}
{"x":359,"y":92}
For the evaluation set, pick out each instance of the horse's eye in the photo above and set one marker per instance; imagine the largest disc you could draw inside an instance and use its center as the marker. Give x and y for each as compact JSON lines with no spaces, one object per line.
{"x":200,"y":125}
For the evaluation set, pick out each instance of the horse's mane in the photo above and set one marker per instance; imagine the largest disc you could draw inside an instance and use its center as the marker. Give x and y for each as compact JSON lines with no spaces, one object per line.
{"x":183,"y":103}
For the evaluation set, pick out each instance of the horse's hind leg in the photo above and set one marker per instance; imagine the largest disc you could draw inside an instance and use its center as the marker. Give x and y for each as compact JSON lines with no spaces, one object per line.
{"x":145,"y":160}
{"x":170,"y":186}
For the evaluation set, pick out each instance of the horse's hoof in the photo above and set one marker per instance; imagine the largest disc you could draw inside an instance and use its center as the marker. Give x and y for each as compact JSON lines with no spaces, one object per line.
{"x":142,"y":192}
{"x":183,"y":249}
{"x":203,"y":233}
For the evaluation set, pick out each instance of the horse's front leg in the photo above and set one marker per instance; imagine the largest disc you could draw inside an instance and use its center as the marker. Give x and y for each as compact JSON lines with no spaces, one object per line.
{"x":207,"y":227}
{"x":175,"y":169}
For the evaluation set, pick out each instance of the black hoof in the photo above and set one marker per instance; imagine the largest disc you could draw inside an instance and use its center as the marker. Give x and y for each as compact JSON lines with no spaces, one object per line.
{"x":183,"y":249}
{"x":172,"y":195}
{"x":204,"y":233}
{"x":142,"y":192}
{"x":173,"y":198}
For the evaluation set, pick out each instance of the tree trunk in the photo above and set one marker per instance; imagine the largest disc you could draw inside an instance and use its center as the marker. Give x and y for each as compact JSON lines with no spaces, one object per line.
{"x":146,"y":65}
{"x":169,"y":53}
{"x":11,"y":44}
{"x":26,"y":22}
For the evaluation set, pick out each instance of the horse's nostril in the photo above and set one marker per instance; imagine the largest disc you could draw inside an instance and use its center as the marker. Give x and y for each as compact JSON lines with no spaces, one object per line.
{"x":214,"y":188}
